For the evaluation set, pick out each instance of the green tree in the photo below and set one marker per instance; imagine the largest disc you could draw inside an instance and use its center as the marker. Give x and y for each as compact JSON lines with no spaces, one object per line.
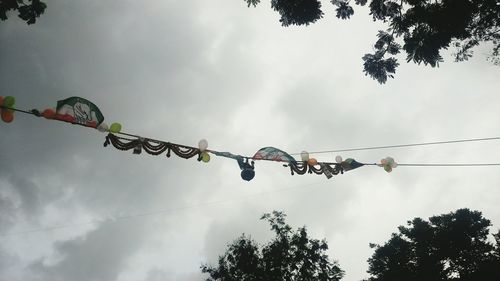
{"x":28,"y":10}
{"x":422,"y":28}
{"x":452,"y":246}
{"x":290,"y":256}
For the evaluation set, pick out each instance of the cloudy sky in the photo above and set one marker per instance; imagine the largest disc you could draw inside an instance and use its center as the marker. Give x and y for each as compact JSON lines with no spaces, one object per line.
{"x":181,"y":71}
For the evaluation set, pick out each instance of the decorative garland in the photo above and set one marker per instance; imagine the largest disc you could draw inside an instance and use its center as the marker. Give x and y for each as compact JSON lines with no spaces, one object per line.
{"x":79,"y":111}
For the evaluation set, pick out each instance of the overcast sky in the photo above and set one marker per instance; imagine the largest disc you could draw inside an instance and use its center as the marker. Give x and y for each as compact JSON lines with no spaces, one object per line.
{"x":185,"y":70}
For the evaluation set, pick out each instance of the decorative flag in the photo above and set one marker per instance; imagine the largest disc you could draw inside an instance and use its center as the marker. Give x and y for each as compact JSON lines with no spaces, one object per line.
{"x":226,"y":154}
{"x":273,"y":154}
{"x":350,"y":164}
{"x":78,"y":110}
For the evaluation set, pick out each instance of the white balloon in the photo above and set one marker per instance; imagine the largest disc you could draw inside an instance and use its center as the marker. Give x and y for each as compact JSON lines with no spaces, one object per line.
{"x":390,"y":160}
{"x":338,"y":159}
{"x":304,"y":155}
{"x":103,"y":127}
{"x":203,"y":145}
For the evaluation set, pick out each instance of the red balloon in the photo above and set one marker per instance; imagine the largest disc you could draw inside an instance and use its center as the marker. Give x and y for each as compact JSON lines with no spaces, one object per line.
{"x":312,"y":161}
{"x":7,"y":116}
{"x":49,"y":113}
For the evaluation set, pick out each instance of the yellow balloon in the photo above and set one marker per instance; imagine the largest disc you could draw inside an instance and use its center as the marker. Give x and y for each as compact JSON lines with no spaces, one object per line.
{"x":205,"y":157}
{"x":115,"y":128}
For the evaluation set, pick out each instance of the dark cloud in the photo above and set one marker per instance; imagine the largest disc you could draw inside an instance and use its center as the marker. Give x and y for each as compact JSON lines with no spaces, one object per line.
{"x":99,"y":255}
{"x":7,"y":213}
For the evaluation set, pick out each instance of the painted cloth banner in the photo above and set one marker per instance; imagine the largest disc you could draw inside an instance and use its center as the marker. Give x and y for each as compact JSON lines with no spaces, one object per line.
{"x":273,"y":154}
{"x":78,"y":110}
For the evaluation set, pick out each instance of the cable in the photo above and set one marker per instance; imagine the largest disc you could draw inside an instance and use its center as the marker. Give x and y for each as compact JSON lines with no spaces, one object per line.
{"x":439,"y":164}
{"x":157,"y":212}
{"x":451,"y":165}
{"x":35,"y":113}
{"x":402,"y":145}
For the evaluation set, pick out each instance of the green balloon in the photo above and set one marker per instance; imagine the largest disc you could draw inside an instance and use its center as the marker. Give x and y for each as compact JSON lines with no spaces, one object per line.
{"x":205,"y":157}
{"x":115,"y":128}
{"x":9,"y":101}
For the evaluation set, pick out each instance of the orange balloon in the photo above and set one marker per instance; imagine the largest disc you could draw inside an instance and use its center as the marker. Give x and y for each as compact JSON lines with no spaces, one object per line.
{"x":312,"y":161}
{"x":7,"y":116}
{"x":49,"y":113}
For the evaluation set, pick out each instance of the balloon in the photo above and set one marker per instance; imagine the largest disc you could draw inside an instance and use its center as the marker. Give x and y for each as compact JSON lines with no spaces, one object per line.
{"x":115,"y":128}
{"x":388,"y":164}
{"x":9,"y":101}
{"x":304,"y":155}
{"x":203,"y":145}
{"x":103,"y":127}
{"x":338,"y":159}
{"x":7,"y":116}
{"x":205,"y":157}
{"x":312,"y":161}
{"x":49,"y":113}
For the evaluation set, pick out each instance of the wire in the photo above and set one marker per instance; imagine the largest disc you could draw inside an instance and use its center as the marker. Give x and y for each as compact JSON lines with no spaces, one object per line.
{"x":402,"y":145}
{"x":439,"y":164}
{"x":19,"y":110}
{"x":158,"y":212}
{"x":36,"y":113}
{"x":451,"y":165}
{"x":32,"y":112}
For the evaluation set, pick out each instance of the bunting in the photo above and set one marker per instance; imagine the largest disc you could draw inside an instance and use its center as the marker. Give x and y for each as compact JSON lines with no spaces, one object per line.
{"x":80,"y":111}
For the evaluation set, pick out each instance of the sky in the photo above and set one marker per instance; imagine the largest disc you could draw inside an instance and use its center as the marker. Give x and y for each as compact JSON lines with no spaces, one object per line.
{"x":182,"y":71}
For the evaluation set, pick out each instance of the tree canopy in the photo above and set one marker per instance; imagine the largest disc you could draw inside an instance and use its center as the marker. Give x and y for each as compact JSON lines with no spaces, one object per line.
{"x":290,"y":255}
{"x":421,"y":28}
{"x":27,"y":10}
{"x":452,"y":246}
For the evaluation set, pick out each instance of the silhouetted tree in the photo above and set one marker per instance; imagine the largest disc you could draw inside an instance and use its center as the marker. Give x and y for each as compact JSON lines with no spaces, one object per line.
{"x":422,"y":28}
{"x":28,"y":10}
{"x":453,"y":246}
{"x":291,"y":255}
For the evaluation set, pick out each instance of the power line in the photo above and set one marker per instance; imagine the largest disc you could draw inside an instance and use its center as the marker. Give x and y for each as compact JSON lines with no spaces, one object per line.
{"x":38,"y":114}
{"x":156,"y":212}
{"x":402,"y":145}
{"x":451,"y":165}
{"x":438,"y":164}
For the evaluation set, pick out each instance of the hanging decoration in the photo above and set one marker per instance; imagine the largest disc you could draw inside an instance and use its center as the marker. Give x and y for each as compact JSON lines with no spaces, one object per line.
{"x":7,"y":111}
{"x":273,"y":154}
{"x":103,"y":127}
{"x":115,"y":128}
{"x":49,"y":113}
{"x":247,"y":168}
{"x":77,"y":110}
{"x":80,"y":111}
{"x":388,"y":164}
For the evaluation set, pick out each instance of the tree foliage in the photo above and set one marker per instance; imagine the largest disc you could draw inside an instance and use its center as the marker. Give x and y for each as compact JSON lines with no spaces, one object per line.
{"x":27,"y":10}
{"x":452,"y":246}
{"x":420,"y":28}
{"x":291,"y":255}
